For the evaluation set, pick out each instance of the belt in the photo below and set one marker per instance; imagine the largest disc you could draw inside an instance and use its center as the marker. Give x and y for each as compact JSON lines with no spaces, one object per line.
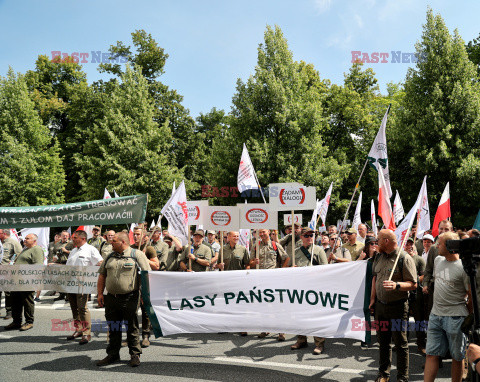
{"x":123,"y":295}
{"x":397,"y":302}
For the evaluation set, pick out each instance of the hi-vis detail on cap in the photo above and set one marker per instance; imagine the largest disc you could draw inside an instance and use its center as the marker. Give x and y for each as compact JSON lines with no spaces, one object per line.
{"x":257,"y":216}
{"x":292,"y":196}
{"x":220,"y":218}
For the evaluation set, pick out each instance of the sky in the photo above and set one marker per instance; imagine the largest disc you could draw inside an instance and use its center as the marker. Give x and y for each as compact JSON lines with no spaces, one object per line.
{"x":211,"y":44}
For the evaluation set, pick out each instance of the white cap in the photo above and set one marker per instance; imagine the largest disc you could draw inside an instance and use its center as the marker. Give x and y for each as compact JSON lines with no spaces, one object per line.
{"x":428,"y":237}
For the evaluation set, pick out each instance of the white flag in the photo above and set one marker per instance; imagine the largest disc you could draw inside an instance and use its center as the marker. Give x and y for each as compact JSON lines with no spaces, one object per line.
{"x":373,"y":217}
{"x":115,"y":194}
{"x":153,"y":224}
{"x":106,"y":194}
{"x":246,"y":178}
{"x":176,"y":212}
{"x":377,"y":157}
{"x":407,"y":222}
{"x":173,"y":189}
{"x":423,"y":212}
{"x":357,"y":220}
{"x":324,"y":203}
{"x":245,"y":238}
{"x":312,"y":224}
{"x":14,"y":234}
{"x":398,"y":212}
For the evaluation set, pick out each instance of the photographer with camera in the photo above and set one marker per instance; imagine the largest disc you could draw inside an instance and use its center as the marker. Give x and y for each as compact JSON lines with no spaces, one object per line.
{"x":448,"y":312}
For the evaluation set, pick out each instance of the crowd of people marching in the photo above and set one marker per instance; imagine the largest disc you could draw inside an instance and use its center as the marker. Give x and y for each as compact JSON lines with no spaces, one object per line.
{"x":426,"y":282}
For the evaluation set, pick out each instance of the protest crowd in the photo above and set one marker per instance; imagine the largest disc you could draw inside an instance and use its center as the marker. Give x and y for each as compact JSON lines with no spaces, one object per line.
{"x":428,"y":285}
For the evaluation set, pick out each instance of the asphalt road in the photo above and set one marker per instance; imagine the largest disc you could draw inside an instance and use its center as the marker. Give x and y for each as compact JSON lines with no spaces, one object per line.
{"x":44,"y":355}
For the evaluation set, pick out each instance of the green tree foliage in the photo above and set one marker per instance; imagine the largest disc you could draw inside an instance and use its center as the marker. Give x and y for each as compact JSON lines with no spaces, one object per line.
{"x":32,"y":172}
{"x":126,"y":150}
{"x":277,"y":112}
{"x":473,"y":51}
{"x":439,"y":124}
{"x":150,"y":57}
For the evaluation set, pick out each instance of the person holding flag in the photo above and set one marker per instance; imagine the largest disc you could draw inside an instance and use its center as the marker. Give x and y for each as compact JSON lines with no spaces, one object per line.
{"x":388,"y":301}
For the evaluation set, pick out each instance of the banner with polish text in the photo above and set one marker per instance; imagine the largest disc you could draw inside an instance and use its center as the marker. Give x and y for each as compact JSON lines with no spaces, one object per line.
{"x":126,"y":209}
{"x":61,"y":278}
{"x":313,"y":301}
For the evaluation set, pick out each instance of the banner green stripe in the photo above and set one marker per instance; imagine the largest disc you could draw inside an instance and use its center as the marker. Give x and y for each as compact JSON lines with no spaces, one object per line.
{"x":157,"y":330}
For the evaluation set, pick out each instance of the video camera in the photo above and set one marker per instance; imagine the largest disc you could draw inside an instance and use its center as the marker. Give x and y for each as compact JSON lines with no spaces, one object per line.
{"x":464,"y":247}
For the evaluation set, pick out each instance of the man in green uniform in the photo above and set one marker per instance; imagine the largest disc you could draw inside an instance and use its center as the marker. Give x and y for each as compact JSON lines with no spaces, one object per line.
{"x":96,"y":240}
{"x":23,"y":301}
{"x":390,"y":300}
{"x":353,"y":245}
{"x":286,"y":242}
{"x":337,"y":253}
{"x":51,"y":247}
{"x":139,"y":235}
{"x":170,"y":262}
{"x":62,"y":249}
{"x":119,"y":275}
{"x":200,"y":254}
{"x":235,"y":256}
{"x":11,"y":248}
{"x":309,"y":253}
{"x":270,"y":256}
{"x":161,"y":248}
{"x":106,"y":247}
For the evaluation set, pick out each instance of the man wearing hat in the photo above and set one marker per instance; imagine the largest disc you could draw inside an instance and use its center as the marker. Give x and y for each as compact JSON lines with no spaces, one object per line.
{"x":213,"y":243}
{"x":287,"y":243}
{"x":96,"y":240}
{"x":200,"y":255}
{"x":170,"y":262}
{"x":161,"y":248}
{"x":309,"y":253}
{"x":353,"y":245}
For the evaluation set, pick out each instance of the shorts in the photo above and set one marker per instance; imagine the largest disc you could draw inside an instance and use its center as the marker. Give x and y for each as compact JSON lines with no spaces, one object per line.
{"x":444,"y":333}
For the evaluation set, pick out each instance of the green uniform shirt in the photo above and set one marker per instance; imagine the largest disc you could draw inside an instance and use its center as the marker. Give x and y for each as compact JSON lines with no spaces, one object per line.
{"x":355,"y":249}
{"x":32,"y":255}
{"x":286,"y":243}
{"x":11,"y":247}
{"x":62,"y":257}
{"x":202,"y":252}
{"x":121,"y":271}
{"x":419,"y":264}
{"x":51,"y":251}
{"x":97,"y":243}
{"x":149,"y":251}
{"x":235,"y":258}
{"x":106,"y":249}
{"x":382,"y":267}
{"x":161,"y":248}
{"x":267,"y":255}
{"x":318,"y":255}
{"x":171,"y":261}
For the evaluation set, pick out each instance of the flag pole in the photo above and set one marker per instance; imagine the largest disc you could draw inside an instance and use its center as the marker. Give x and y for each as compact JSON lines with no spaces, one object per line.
{"x":351,"y":201}
{"x":221,"y":247}
{"x":259,"y":187}
{"x":189,"y":249}
{"x":293,"y":239}
{"x":257,"y":245}
{"x":398,"y":255}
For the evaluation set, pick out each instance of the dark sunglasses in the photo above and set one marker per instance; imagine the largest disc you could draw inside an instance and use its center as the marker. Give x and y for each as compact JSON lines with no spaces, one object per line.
{"x":308,"y":235}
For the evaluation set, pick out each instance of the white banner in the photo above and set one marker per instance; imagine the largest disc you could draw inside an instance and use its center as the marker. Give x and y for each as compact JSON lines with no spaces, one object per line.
{"x":176,"y":213}
{"x":309,"y":300}
{"x":220,"y":218}
{"x":61,"y":278}
{"x":195,"y":216}
{"x":257,"y":216}
{"x":291,"y":196}
{"x":297,"y":218}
